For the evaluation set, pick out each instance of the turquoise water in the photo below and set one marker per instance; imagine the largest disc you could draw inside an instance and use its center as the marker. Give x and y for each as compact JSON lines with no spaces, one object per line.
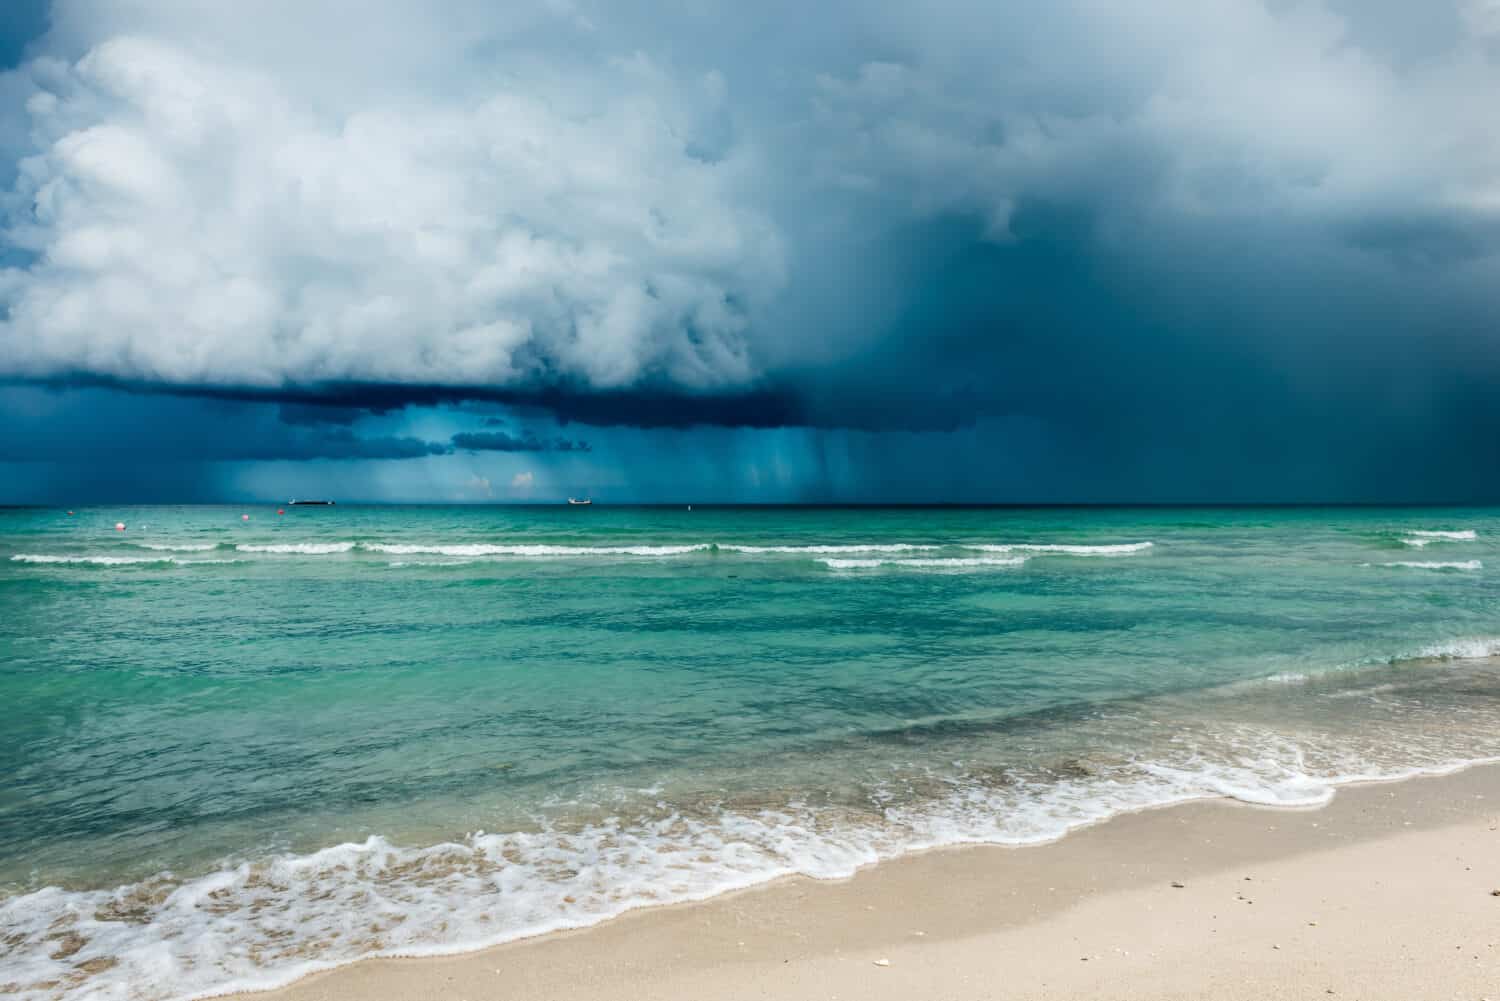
{"x":238,"y":750}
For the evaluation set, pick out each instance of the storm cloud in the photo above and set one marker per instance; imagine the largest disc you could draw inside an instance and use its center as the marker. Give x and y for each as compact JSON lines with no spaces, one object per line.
{"x":501,"y":441}
{"x":86,"y":425}
{"x":1174,"y":244}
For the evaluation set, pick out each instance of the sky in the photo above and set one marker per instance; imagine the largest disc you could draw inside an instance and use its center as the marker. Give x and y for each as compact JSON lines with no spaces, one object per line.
{"x":691,"y":250}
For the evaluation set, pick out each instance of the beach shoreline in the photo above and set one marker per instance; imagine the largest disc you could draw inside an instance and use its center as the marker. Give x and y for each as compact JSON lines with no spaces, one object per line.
{"x":1383,"y":893}
{"x":433,"y":731}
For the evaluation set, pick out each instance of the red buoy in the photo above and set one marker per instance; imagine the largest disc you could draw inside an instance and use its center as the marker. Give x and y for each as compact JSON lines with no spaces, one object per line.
{"x":119,"y":526}
{"x":280,"y":511}
{"x":244,"y":517}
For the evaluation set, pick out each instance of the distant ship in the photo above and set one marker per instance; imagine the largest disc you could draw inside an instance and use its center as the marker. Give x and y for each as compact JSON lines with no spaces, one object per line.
{"x":305,"y":503}
{"x":580,"y":503}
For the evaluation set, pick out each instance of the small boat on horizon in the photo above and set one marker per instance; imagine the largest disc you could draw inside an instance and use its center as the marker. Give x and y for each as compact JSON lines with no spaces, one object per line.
{"x":309,"y":503}
{"x":580,"y":503}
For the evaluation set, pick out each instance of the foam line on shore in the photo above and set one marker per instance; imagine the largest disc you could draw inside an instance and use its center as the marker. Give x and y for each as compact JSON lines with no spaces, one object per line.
{"x":488,"y":888}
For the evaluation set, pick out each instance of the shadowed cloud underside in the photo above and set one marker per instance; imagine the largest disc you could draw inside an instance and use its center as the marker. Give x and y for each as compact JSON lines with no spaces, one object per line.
{"x":1181,"y":251}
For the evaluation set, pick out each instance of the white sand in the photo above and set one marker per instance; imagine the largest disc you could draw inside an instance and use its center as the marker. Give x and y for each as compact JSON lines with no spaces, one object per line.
{"x":1385,"y":894}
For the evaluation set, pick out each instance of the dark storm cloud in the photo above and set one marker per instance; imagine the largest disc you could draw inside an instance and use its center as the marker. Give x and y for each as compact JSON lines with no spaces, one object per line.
{"x":107,"y":428}
{"x":342,"y":443}
{"x":1187,"y":248}
{"x":339,"y":403}
{"x":310,"y":415}
{"x":501,"y":441}
{"x":24,"y":22}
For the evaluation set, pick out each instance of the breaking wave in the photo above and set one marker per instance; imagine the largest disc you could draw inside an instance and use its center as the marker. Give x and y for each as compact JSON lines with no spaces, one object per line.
{"x":178,"y":547}
{"x":302,"y":548}
{"x":111,"y":561}
{"x":956,"y":563}
{"x":843,"y":555}
{"x":1120,"y":549}
{"x":394,"y":549}
{"x":254,"y":925}
{"x":1468,"y":648}
{"x":1418,"y":538}
{"x":812,"y":550}
{"x":259,"y":923}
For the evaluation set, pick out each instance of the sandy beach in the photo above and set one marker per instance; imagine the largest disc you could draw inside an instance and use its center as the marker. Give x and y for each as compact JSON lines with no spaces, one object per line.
{"x":1387,"y":893}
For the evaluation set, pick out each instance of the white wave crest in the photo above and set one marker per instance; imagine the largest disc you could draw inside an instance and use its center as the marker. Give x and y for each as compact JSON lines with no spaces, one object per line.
{"x":892,"y":547}
{"x":111,"y":561}
{"x":403,"y":549}
{"x":301,"y":548}
{"x":1437,"y":564}
{"x":1467,"y":648}
{"x":178,"y":547}
{"x":1119,"y":549}
{"x":1419,"y":538}
{"x":101,"y":561}
{"x":955,"y":563}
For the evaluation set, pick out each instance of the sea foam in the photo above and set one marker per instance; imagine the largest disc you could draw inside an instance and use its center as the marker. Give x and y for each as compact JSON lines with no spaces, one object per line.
{"x":109,"y":561}
{"x":813,"y":550}
{"x":524,"y":550}
{"x":954,"y":563}
{"x":1118,"y":549}
{"x":259,"y":924}
{"x":1419,"y":538}
{"x":299,"y":548}
{"x":178,"y":547}
{"x":1467,"y":648}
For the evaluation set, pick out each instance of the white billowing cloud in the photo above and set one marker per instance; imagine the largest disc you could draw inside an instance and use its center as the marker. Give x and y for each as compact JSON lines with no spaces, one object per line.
{"x":1187,"y":109}
{"x":523,"y":481}
{"x":1483,"y":17}
{"x":196,"y":221}
{"x":477,"y":194}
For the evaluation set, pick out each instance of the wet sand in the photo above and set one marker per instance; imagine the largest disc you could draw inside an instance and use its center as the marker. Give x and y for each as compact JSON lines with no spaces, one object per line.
{"x":1384,"y":894}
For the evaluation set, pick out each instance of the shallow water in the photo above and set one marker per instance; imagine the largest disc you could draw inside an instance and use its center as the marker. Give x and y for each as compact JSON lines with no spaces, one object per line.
{"x":237,"y":750}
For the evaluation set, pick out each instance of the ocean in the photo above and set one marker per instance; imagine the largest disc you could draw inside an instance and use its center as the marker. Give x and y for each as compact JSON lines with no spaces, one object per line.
{"x":236,"y":751}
